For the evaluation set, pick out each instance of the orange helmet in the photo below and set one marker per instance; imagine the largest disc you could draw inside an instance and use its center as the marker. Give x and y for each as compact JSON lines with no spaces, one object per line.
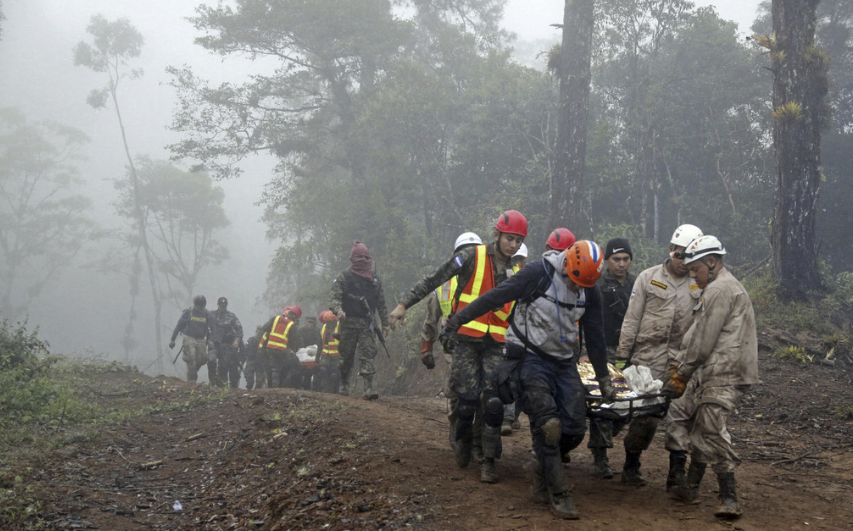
{"x":584,"y":262}
{"x":326,"y":316}
{"x":561,"y":239}
{"x":512,"y":222}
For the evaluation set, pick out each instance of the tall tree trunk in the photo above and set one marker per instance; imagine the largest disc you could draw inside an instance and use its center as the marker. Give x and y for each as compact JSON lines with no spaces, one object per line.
{"x":142,"y":234}
{"x":800,"y":111}
{"x":567,"y":206}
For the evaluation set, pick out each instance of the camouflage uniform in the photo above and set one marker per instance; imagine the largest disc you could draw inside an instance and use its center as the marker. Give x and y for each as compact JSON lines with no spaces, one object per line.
{"x":349,"y":293}
{"x":475,"y":360}
{"x":196,"y":325}
{"x":228,"y":329}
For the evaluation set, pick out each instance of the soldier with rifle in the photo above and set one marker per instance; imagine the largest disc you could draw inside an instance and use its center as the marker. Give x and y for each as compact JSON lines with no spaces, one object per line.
{"x":227,"y":345}
{"x":356,"y":297}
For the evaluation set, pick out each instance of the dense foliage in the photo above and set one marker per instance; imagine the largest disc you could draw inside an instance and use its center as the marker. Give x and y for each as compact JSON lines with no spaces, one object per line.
{"x":423,"y":126}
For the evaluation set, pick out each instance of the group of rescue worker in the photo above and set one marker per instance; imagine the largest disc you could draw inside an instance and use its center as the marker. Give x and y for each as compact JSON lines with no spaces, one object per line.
{"x":513,"y":333}
{"x":284,"y":354}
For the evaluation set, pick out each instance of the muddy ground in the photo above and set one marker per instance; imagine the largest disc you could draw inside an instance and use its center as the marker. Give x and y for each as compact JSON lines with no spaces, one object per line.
{"x":284,"y":459}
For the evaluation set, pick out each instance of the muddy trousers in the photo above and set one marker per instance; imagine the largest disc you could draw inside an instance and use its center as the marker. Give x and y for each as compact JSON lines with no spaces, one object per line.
{"x":553,"y":398}
{"x":194,"y":354}
{"x":473,"y":381}
{"x":707,"y":425}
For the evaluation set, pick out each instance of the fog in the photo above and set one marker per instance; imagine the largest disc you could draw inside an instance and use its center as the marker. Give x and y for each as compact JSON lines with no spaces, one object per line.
{"x":83,"y":312}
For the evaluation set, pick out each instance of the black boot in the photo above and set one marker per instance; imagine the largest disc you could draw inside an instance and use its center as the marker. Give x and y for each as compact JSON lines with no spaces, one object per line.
{"x":601,"y":463}
{"x":462,"y":441}
{"x":631,"y":471}
{"x":561,"y":502}
{"x":728,"y":497}
{"x":689,"y":492}
{"x":537,"y":477}
{"x":488,"y":472}
{"x":677,"y":463}
{"x":369,"y":393}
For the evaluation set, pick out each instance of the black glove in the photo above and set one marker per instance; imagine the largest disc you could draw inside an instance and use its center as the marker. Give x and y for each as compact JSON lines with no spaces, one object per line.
{"x":605,"y":385}
{"x":428,"y":360}
{"x":448,"y":341}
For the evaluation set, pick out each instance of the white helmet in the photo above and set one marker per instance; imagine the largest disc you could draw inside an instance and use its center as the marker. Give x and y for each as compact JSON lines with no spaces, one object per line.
{"x":685,"y":234}
{"x":702,"y":246}
{"x":467,"y":238}
{"x":522,"y":251}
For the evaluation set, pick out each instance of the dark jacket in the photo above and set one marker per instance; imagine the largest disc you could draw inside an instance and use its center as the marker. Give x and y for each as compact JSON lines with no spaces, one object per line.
{"x":532,"y":288}
{"x":195,"y":322}
{"x":614,"y":300}
{"x":348,"y":292}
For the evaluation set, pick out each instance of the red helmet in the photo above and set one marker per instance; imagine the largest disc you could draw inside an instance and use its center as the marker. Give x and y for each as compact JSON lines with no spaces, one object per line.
{"x":512,"y":222}
{"x":584,"y":262}
{"x":561,"y":239}
{"x":295,"y":310}
{"x":326,"y":316}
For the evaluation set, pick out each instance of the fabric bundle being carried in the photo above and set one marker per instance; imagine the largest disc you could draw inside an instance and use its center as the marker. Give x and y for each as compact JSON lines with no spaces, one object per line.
{"x":637,"y":394}
{"x":308,"y":357}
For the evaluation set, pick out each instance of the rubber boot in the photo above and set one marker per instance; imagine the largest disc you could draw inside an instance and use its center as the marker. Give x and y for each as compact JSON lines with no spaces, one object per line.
{"x":677,"y":464}
{"x":488,"y":472}
{"x":689,"y":492}
{"x":728,"y":508}
{"x":561,"y":502}
{"x":369,"y":393}
{"x":601,"y":463}
{"x":631,"y":471}
{"x":506,"y":428}
{"x":539,"y":489}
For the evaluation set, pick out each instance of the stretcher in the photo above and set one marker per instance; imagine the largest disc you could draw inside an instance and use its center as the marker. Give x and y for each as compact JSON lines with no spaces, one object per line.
{"x":628,"y":404}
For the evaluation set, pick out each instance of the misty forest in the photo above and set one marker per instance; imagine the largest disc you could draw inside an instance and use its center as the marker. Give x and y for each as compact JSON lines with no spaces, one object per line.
{"x":403,"y":124}
{"x":288,"y":129}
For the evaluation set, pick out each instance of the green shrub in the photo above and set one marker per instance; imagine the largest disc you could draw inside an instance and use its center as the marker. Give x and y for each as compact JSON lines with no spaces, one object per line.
{"x":28,"y":393}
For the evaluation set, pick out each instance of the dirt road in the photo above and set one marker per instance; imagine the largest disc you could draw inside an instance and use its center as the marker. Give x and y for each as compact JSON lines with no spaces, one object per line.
{"x":285,"y":459}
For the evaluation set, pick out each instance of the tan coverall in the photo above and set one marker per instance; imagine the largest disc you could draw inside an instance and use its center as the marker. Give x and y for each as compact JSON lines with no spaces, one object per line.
{"x":721,"y":356}
{"x":659,"y":314}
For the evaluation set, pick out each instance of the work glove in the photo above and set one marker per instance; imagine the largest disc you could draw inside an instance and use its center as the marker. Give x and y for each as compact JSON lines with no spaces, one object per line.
{"x":426,"y":346}
{"x":605,"y":385}
{"x":671,"y":370}
{"x":171,"y":345}
{"x":448,"y":341}
{"x":676,"y":385}
{"x":428,"y":360}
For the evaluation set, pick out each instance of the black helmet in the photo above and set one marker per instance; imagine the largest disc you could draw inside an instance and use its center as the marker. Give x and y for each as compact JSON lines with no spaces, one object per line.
{"x":222,"y":301}
{"x":199,"y":301}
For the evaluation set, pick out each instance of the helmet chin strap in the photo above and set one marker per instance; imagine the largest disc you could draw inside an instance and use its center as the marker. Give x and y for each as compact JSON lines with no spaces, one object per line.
{"x":710,"y":269}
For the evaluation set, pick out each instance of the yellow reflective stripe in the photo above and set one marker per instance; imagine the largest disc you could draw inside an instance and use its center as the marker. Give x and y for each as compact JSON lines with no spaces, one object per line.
{"x":478,"y":277}
{"x":445,"y":294}
{"x":279,"y":341}
{"x":331,"y":347}
{"x":483,"y":327}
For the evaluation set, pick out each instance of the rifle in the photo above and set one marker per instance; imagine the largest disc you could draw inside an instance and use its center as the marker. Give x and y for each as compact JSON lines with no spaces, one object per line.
{"x":373,"y":328}
{"x":178,"y":354}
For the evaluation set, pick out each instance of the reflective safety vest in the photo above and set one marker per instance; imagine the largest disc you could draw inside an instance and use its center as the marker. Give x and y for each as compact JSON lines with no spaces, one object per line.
{"x":445,"y":294}
{"x":482,"y":280}
{"x":278,"y":337}
{"x":330,"y":346}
